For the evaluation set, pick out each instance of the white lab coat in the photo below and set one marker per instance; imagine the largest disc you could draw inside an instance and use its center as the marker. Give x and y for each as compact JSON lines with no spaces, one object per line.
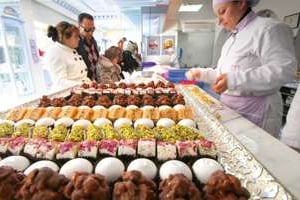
{"x":258,"y":60}
{"x":65,"y":65}
{"x":291,"y":130}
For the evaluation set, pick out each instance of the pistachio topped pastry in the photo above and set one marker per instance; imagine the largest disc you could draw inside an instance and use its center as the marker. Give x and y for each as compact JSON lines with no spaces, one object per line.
{"x":58,"y":133}
{"x":40,"y":132}
{"x":127,"y":132}
{"x":6,"y":129}
{"x":109,"y":132}
{"x":145,"y":132}
{"x":93,"y":133}
{"x":76,"y":134}
{"x":22,"y":130}
{"x":185,"y":133}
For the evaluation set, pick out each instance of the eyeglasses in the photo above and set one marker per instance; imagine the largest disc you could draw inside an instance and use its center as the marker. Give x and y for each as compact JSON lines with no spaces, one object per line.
{"x":88,"y":29}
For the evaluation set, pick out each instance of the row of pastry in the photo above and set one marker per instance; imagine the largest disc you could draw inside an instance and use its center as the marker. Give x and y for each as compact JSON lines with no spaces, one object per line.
{"x":131,"y":112}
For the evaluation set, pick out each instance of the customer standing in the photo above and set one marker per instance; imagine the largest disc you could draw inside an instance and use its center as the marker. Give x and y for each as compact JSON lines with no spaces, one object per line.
{"x":88,"y":47}
{"x":256,"y":60}
{"x":66,"y":66}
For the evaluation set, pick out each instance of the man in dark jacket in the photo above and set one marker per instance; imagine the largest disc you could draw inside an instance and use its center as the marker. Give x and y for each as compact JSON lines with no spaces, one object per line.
{"x":88,"y":47}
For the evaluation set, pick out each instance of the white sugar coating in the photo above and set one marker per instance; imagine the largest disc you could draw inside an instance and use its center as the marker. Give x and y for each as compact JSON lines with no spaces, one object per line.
{"x":25,"y":121}
{"x":76,"y":165}
{"x":112,"y":168}
{"x":173,"y":167}
{"x":164,"y":107}
{"x":98,"y":107}
{"x":144,"y":121}
{"x":102,"y":121}
{"x":131,"y":107}
{"x":148,"y":107}
{"x":83,"y":107}
{"x":179,"y":107}
{"x":47,"y":121}
{"x":188,"y":123}
{"x":64,"y":121}
{"x":19,"y":163}
{"x":122,"y":121}
{"x":83,"y":123}
{"x":204,"y":168}
{"x":41,"y":164}
{"x":115,"y":107}
{"x":145,"y":166}
{"x":165,"y":122}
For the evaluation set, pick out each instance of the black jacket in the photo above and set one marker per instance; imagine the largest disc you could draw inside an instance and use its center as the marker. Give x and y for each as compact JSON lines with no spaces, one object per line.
{"x":82,"y":51}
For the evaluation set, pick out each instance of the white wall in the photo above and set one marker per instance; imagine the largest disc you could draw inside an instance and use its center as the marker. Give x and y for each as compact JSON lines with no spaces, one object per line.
{"x":280,"y":7}
{"x":197,"y":48}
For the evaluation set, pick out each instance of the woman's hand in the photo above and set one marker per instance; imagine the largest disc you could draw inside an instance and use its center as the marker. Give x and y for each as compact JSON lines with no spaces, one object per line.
{"x":220,"y":85}
{"x":193,"y":74}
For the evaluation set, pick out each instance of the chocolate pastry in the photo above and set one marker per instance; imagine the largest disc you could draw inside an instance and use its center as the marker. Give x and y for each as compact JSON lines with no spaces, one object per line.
{"x":161,"y":84}
{"x":10,"y":182}
{"x":122,"y":85}
{"x":75,"y":100}
{"x":163,"y":100}
{"x":104,"y":101}
{"x":58,"y":102}
{"x":102,"y":86}
{"x":133,"y":100}
{"x":88,"y":101}
{"x":151,"y":84}
{"x":120,"y":100}
{"x":45,"y":101}
{"x":148,"y":100}
{"x":178,"y":99}
{"x":85,"y":85}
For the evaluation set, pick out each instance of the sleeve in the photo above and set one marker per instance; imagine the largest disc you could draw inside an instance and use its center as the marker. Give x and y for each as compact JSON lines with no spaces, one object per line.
{"x":58,"y":69}
{"x":276,"y":51}
{"x":208,"y":75}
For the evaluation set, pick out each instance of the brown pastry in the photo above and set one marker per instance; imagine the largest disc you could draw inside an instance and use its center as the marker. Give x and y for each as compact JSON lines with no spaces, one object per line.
{"x":151,"y":84}
{"x":34,"y":113}
{"x":224,"y":186}
{"x":99,"y":113}
{"x":84,"y":113}
{"x":131,"y":86}
{"x":85,"y":85}
{"x":10,"y":182}
{"x":102,"y":86}
{"x":134,"y":114}
{"x":88,"y":101}
{"x":163,"y":100}
{"x":112,"y":86}
{"x":16,"y":114}
{"x":70,"y":112}
{"x":116,"y":113}
{"x":161,"y":84}
{"x":178,"y":187}
{"x":58,"y":102}
{"x":168,"y":113}
{"x":133,"y":100}
{"x":120,"y":100}
{"x":45,"y":101}
{"x":178,"y":99}
{"x":52,"y":112}
{"x":43,"y":184}
{"x":122,"y":85}
{"x":104,"y":101}
{"x":75,"y":100}
{"x":151,"y":114}
{"x":148,"y":100}
{"x":84,"y":186}
{"x":134,"y":186}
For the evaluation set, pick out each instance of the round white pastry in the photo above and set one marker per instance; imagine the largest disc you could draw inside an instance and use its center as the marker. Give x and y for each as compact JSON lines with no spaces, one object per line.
{"x":41,"y":164}
{"x":179,"y":107}
{"x":83,"y":123}
{"x":47,"y":121}
{"x":144,"y":121}
{"x":188,"y":123}
{"x":145,"y":166}
{"x":147,"y":107}
{"x":6,"y":121}
{"x":49,"y":108}
{"x":101,"y":122}
{"x":204,"y":168}
{"x":19,"y":163}
{"x":173,"y":167}
{"x":115,"y":107}
{"x":164,"y":107}
{"x":165,"y":122}
{"x":98,"y":107}
{"x":25,"y":121}
{"x":112,"y":168}
{"x":131,"y":107}
{"x":83,"y":107}
{"x":76,"y":165}
{"x":66,"y":107}
{"x":122,"y":121}
{"x":64,"y":121}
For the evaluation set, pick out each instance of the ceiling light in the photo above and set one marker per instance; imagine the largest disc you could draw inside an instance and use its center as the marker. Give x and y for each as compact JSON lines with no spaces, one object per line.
{"x":190,"y":8}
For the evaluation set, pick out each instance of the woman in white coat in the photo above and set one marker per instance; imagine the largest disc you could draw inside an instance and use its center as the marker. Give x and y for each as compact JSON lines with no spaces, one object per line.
{"x":256,"y":60}
{"x":291,"y":130}
{"x":66,"y":66}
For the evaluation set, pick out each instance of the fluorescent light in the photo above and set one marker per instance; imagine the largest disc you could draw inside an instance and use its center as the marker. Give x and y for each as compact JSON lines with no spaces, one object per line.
{"x":190,"y":8}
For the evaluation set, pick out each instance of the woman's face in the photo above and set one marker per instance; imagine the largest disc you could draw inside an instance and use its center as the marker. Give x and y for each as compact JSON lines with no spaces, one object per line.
{"x":230,"y":13}
{"x":73,"y":41}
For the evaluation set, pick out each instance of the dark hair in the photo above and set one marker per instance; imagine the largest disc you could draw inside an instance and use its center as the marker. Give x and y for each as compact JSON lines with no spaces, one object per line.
{"x":112,"y":52}
{"x":83,"y":16}
{"x":62,"y":30}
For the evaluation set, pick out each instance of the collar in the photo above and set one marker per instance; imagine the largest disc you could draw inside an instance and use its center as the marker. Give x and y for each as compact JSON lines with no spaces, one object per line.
{"x":244,"y":21}
{"x":85,"y":42}
{"x":62,"y":46}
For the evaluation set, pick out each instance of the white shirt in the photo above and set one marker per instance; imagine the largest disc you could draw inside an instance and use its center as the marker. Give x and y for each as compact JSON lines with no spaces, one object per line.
{"x":258,"y":59}
{"x":66,"y":66}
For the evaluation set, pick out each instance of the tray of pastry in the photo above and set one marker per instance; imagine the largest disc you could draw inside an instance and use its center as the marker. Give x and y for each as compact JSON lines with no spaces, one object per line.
{"x":235,"y":158}
{"x":153,"y":128}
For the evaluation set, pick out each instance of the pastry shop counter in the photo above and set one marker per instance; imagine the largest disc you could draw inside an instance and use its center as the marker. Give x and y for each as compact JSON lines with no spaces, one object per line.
{"x":280,"y":160}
